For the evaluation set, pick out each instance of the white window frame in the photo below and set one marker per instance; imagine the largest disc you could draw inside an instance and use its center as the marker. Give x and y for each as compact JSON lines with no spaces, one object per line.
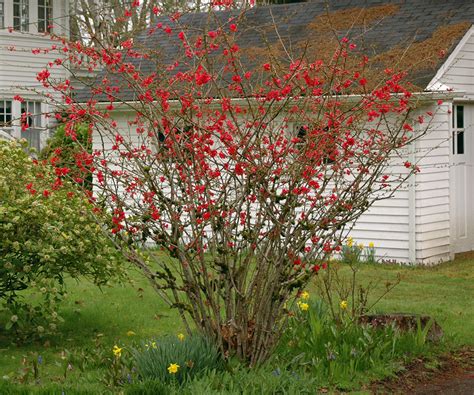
{"x":2,"y":14}
{"x":47,"y":20}
{"x":6,"y":118}
{"x":458,"y":131}
{"x":21,"y":22}
{"x":35,"y":123}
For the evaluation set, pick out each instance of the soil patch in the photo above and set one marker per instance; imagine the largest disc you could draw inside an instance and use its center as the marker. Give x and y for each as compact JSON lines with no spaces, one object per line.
{"x":449,"y":374}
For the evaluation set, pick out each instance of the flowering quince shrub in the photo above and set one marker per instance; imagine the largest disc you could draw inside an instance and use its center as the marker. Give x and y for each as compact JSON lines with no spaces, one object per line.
{"x":48,"y":232}
{"x":245,"y":172}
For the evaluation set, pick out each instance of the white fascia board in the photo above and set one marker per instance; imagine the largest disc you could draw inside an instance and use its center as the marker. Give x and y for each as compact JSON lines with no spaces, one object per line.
{"x":417,"y":97}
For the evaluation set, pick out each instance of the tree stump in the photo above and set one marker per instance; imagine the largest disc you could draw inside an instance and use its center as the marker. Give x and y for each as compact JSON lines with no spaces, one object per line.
{"x":404,"y":322}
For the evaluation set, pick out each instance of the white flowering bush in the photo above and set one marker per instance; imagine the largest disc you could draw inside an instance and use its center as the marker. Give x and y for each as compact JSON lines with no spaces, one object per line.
{"x":47,"y":233}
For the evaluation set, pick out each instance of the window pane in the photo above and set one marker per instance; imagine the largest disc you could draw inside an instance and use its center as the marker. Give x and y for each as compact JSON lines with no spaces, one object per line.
{"x":45,"y":10}
{"x":460,"y":141}
{"x":20,"y":15}
{"x":2,"y":22}
{"x":301,"y":133}
{"x":460,"y":116}
{"x":5,"y":113}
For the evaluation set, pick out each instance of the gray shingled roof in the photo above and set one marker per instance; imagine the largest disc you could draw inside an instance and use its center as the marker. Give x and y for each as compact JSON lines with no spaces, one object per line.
{"x":409,"y":22}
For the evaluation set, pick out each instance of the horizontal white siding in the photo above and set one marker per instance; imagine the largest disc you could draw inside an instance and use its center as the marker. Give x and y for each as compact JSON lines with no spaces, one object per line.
{"x":19,"y":66}
{"x":432,"y":193}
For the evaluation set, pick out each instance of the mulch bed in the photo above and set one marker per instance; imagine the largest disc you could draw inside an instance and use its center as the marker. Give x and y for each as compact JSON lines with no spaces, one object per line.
{"x":451,"y":373}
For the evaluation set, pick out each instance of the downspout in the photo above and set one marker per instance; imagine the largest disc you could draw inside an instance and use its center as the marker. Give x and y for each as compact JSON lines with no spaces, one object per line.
{"x":412,"y":206}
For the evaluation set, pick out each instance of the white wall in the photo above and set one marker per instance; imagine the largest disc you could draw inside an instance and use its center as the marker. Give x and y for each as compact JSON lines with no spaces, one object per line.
{"x":433,"y":189}
{"x":19,"y":66}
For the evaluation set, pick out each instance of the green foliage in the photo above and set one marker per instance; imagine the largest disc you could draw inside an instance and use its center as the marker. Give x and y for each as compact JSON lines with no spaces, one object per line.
{"x":245,"y":381}
{"x":47,"y":233}
{"x":194,"y":355}
{"x":65,"y":149}
{"x":339,"y":351}
{"x":147,"y":387}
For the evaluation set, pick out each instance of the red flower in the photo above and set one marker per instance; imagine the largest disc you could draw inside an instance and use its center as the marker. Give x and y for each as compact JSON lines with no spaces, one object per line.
{"x":43,"y":75}
{"x":239,"y":169}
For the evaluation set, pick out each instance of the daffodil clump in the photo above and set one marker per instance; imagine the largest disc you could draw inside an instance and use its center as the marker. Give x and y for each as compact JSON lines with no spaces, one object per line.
{"x":353,"y":252}
{"x":176,"y":358}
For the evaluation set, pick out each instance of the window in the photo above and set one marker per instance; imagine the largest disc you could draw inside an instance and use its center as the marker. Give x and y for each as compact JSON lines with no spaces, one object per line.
{"x":21,"y":15}
{"x":323,"y":141}
{"x":31,"y":123}
{"x":45,"y":11}
{"x":458,"y":130}
{"x":32,"y":119}
{"x":2,"y":14}
{"x":5,"y":113}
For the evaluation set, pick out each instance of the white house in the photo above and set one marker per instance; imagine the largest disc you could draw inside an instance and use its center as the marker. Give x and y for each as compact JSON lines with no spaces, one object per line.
{"x":24,"y":29}
{"x":432,"y":217}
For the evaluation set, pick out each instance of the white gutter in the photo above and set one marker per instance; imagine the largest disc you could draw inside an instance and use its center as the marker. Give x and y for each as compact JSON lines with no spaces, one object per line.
{"x":447,"y":95}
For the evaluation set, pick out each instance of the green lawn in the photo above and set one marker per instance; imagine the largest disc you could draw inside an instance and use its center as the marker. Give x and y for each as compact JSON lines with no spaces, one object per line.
{"x":98,"y":319}
{"x":445,"y":292}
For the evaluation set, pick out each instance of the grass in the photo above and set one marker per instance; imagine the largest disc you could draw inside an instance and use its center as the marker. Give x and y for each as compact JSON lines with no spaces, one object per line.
{"x":94,"y":317}
{"x":445,"y":292}
{"x":98,"y":319}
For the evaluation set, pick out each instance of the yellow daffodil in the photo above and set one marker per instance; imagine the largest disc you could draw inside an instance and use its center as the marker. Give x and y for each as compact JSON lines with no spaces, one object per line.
{"x":131,"y":333}
{"x":153,"y":345}
{"x":117,"y":351}
{"x":361,"y":246}
{"x":303,"y":306}
{"x":371,"y":244}
{"x":173,"y":368}
{"x":343,"y":304}
{"x":304,"y":295}
{"x":350,"y":242}
{"x":181,"y":337}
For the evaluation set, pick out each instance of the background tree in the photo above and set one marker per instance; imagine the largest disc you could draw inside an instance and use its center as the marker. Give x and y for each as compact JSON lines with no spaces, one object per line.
{"x":108,"y":22}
